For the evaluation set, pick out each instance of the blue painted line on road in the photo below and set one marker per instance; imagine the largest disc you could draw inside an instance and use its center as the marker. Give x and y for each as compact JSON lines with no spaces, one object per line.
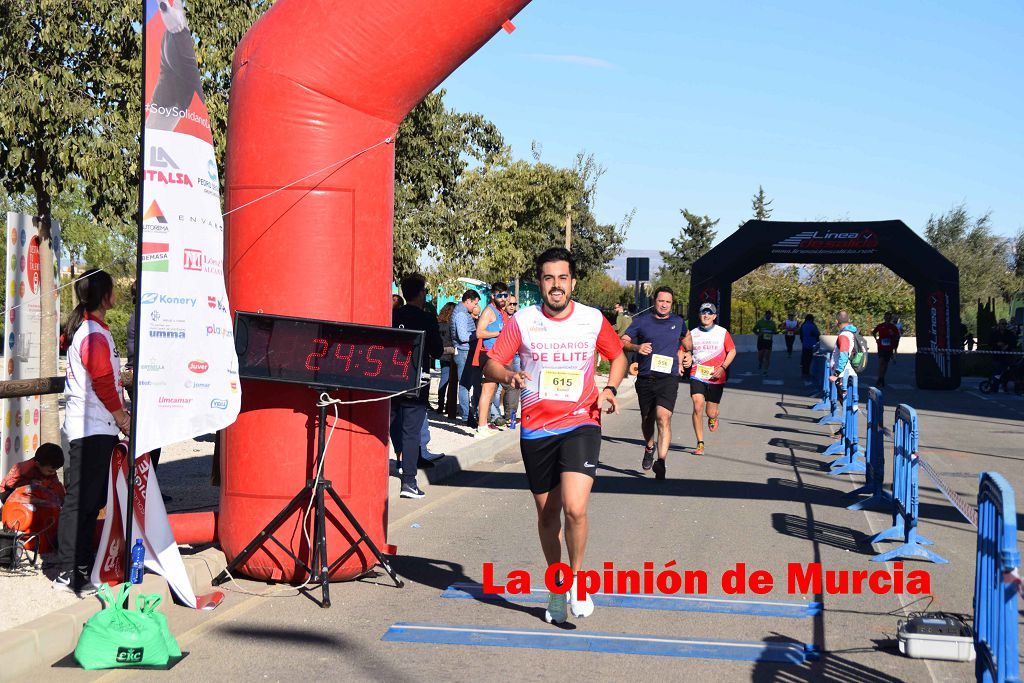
{"x":671,"y":603}
{"x":614,"y":643}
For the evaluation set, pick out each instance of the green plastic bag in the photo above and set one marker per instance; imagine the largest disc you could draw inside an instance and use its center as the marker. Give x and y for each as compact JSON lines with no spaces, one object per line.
{"x":147,"y":604}
{"x":116,"y":637}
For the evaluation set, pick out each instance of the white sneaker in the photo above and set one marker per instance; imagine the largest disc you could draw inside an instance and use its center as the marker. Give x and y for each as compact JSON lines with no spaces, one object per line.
{"x":484,"y":432}
{"x":556,"y":612}
{"x":580,"y":608}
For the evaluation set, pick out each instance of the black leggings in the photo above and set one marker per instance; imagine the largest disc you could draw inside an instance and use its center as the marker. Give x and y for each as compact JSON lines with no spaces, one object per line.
{"x":85,"y":472}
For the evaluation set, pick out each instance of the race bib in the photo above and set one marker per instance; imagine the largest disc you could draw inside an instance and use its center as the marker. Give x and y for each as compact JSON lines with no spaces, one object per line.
{"x":704,"y":372}
{"x":767,"y":336}
{"x":660,"y":363}
{"x":561,"y":385}
{"x":884,"y":342}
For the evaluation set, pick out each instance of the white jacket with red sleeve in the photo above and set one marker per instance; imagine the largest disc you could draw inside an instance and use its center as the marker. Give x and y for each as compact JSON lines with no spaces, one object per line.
{"x":93,"y":389}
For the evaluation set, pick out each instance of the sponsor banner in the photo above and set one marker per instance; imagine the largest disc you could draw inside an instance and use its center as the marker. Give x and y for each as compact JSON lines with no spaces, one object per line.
{"x":20,"y":427}
{"x":828,"y":242}
{"x":939,"y":335}
{"x":150,"y":523}
{"x":187,"y":372}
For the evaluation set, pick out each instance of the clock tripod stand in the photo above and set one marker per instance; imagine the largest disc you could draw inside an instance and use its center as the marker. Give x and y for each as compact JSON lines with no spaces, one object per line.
{"x":318,"y":569}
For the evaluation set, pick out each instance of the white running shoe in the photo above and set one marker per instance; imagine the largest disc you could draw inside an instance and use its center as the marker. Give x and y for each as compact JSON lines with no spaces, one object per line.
{"x":580,"y":608}
{"x":556,"y":611}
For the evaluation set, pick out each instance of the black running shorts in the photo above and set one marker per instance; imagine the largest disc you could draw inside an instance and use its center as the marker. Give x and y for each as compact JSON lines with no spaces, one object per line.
{"x":764,"y":344}
{"x":885,"y":354}
{"x":546,"y":458}
{"x":656,"y":390}
{"x":712,"y":393}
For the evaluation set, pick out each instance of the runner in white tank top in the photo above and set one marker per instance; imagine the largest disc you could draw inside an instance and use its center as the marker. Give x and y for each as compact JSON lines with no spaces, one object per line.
{"x":713,"y":353}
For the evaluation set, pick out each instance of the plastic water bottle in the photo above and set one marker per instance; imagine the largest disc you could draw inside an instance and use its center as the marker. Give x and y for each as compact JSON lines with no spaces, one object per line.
{"x":138,"y":561}
{"x":512,"y":421}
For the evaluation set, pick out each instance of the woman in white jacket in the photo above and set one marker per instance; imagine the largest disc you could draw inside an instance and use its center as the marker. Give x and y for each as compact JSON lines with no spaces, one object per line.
{"x":93,"y":416}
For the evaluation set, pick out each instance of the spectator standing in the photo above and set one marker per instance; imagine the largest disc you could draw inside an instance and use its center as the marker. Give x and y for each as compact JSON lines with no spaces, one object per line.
{"x":488,"y":326}
{"x":840,"y":366}
{"x":462,"y":328}
{"x":93,"y":416}
{"x":622,"y":320}
{"x":510,"y":395}
{"x":411,"y":411}
{"x":1002,"y":339}
{"x":809,"y":336}
{"x":447,"y":390}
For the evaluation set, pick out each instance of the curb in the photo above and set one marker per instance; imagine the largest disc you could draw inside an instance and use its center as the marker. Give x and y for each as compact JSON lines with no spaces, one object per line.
{"x":53,"y":636}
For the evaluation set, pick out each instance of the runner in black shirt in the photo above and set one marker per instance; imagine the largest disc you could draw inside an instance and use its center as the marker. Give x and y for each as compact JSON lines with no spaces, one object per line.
{"x":660,"y":340}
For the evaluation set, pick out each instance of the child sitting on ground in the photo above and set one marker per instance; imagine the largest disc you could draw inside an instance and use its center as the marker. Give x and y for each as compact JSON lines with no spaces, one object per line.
{"x":41,"y":470}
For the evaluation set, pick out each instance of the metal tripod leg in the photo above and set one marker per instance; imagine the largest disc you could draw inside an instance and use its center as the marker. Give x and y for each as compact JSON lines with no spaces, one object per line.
{"x":267,"y":532}
{"x":363,"y":538}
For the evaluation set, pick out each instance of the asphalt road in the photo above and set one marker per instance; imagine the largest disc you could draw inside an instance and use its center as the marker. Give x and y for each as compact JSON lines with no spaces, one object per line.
{"x":761,"y":495}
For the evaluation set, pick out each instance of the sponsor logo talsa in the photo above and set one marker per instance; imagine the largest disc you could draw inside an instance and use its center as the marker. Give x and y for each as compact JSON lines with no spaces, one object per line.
{"x":168,"y":177}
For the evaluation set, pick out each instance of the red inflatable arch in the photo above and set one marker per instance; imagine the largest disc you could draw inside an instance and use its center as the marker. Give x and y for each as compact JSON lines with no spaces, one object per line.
{"x":316,"y":82}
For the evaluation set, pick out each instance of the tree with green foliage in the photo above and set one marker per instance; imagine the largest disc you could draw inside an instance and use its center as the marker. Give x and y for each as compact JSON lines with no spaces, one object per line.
{"x":694,"y":240}
{"x":761,"y":205}
{"x":434,"y":147}
{"x":598,"y":289}
{"x":984,"y":258}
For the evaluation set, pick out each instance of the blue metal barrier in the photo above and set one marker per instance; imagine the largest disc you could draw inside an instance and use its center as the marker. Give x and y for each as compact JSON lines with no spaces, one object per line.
{"x":874,"y":453}
{"x":851,"y":461}
{"x":834,"y":408}
{"x":905,"y":495}
{"x":995,"y":598}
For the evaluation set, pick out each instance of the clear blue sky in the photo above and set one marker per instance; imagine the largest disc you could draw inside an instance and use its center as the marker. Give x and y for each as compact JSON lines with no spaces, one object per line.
{"x":857,"y":110}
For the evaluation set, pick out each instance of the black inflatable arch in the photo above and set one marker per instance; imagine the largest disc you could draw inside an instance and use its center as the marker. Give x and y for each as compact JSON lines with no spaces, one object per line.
{"x":936,"y":281}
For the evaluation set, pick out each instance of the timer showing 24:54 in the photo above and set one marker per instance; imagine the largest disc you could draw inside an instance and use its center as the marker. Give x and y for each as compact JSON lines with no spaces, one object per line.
{"x":327,"y":354}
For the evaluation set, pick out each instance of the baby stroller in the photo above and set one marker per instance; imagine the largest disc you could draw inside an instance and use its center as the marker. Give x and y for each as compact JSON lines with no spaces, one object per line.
{"x":1014,"y":372}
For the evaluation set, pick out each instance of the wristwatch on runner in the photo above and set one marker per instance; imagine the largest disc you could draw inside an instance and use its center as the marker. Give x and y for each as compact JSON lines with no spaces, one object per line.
{"x":615,"y":392}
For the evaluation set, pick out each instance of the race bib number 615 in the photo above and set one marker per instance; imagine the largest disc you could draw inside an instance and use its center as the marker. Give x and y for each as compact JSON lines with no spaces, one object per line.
{"x":561,"y":385}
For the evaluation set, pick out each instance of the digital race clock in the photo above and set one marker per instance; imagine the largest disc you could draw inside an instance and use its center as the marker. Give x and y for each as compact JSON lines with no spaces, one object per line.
{"x":327,"y":354}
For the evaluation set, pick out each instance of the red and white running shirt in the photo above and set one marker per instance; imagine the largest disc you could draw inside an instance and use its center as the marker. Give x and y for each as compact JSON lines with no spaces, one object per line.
{"x":709,"y":350}
{"x":560,"y":355}
{"x":93,"y":388}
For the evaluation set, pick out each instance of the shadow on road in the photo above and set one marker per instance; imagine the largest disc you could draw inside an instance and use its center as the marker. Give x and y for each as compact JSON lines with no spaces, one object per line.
{"x":830,"y":667}
{"x":824,"y":533}
{"x":440,"y":574}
